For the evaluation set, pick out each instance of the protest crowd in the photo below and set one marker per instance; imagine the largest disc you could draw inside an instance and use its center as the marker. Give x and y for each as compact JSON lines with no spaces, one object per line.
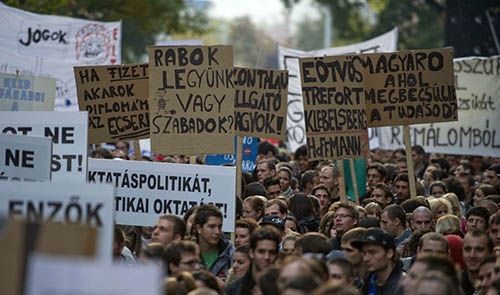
{"x":296,"y":234}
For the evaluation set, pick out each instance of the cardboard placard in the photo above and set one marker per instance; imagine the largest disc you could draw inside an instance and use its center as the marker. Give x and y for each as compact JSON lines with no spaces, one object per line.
{"x":68,"y":131}
{"x":146,"y":190}
{"x":409,"y":87}
{"x":191,"y":99}
{"x":69,"y":203}
{"x":260,"y":102}
{"x":334,"y":108}
{"x":27,"y":157}
{"x":27,"y":93}
{"x":116,"y":99}
{"x":476,"y":131}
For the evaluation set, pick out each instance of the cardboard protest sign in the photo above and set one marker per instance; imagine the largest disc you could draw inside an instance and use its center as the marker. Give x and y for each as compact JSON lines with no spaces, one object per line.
{"x":476,"y":131}
{"x":27,"y":157}
{"x":20,"y":238}
{"x":334,"y":108}
{"x":51,"y":45}
{"x":69,"y":203}
{"x":146,"y":190}
{"x":116,"y":99}
{"x":63,"y":275}
{"x":409,"y":87}
{"x":26,"y":93}
{"x":191,"y":99}
{"x":260,"y":102}
{"x":288,"y":59}
{"x":68,"y":131}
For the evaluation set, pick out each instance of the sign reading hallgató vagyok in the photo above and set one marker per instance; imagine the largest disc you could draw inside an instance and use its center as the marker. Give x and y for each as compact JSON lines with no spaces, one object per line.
{"x":191,"y":99}
{"x":70,"y":203}
{"x":408,"y":87}
{"x":68,"y":131}
{"x":476,"y":131}
{"x":50,"y":46}
{"x":26,"y":93}
{"x":25,"y":157}
{"x":260,"y":102}
{"x":334,"y":108}
{"x":116,"y":99}
{"x":145,"y":190}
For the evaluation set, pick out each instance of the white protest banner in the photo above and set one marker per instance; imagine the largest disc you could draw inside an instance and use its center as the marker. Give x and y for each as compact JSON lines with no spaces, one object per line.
{"x":288,"y":59}
{"x":70,"y":203}
{"x":477,"y":83}
{"x":69,"y":135}
{"x":27,"y":157}
{"x":48,"y":45}
{"x":48,"y":274}
{"x":146,"y":190}
{"x":26,"y":93}
{"x":191,"y":106}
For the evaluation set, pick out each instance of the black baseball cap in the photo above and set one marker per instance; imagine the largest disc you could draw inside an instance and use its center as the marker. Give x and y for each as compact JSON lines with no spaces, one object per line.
{"x":376,"y":236}
{"x":273,"y":220}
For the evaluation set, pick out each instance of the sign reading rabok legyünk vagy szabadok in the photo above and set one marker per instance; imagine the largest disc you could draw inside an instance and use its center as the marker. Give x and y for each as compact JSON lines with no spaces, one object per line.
{"x":146,"y":190}
{"x":191,"y":99}
{"x":260,"y":102}
{"x":409,"y":87}
{"x":334,"y":108}
{"x":116,"y":99}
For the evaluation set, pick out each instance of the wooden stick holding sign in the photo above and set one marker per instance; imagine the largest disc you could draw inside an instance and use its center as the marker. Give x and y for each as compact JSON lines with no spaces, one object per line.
{"x":137,"y":150}
{"x":239,"y":163}
{"x":342,"y":190}
{"x":354,"y":180}
{"x":409,"y":161}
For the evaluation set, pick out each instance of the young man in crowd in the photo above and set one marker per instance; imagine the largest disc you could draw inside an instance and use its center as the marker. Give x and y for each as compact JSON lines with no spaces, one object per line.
{"x":393,"y":220}
{"x":168,"y":228}
{"x":181,"y":256}
{"x":329,"y":177}
{"x":477,"y":246}
{"x":345,"y":218}
{"x":401,"y":188}
{"x":216,"y":251}
{"x":265,"y":169}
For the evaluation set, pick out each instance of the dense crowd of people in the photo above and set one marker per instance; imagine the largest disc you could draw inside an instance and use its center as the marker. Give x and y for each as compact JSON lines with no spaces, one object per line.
{"x":296,"y":234}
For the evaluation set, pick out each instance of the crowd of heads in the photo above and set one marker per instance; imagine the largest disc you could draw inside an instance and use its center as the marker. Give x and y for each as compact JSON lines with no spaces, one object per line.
{"x":296,"y":232}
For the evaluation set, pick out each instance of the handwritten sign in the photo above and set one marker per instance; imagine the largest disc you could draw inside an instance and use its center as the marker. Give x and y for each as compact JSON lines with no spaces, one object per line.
{"x":69,"y":203}
{"x":27,"y":93}
{"x":116,"y":99}
{"x":27,"y":157}
{"x":334,"y":108}
{"x":476,"y":131}
{"x":260,"y":102}
{"x":191,"y":106}
{"x":409,"y":87}
{"x":146,"y":190}
{"x":68,"y":131}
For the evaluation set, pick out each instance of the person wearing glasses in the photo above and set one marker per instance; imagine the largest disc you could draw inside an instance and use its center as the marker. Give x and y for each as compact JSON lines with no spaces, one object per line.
{"x":346,"y":217}
{"x":181,"y":256}
{"x":477,"y":218}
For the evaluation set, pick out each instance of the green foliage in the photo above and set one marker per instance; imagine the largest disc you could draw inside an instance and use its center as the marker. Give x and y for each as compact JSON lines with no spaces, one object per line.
{"x":142,"y":20}
{"x":420,"y":23}
{"x":310,"y":34}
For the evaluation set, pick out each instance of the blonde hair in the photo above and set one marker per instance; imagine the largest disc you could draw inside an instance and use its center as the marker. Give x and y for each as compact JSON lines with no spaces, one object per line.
{"x":447,"y":224}
{"x":181,"y":284}
{"x":435,"y":203}
{"x":455,"y":204}
{"x":373,"y":208}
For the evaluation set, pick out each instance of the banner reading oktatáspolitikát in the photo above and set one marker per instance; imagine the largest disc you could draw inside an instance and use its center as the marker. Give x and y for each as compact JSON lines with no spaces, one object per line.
{"x":146,"y":190}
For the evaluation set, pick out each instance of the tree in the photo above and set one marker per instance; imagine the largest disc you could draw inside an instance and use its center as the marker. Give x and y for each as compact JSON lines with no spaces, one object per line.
{"x":142,"y":20}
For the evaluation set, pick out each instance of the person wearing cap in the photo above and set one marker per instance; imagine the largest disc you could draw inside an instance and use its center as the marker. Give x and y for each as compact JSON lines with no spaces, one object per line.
{"x":379,"y":258}
{"x":274,"y":222}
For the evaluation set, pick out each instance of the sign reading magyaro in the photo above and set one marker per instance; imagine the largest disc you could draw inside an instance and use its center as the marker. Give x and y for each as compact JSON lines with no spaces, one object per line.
{"x":191,"y":99}
{"x":260,"y":102}
{"x":116,"y":99}
{"x":334,"y":108}
{"x":409,"y":87}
